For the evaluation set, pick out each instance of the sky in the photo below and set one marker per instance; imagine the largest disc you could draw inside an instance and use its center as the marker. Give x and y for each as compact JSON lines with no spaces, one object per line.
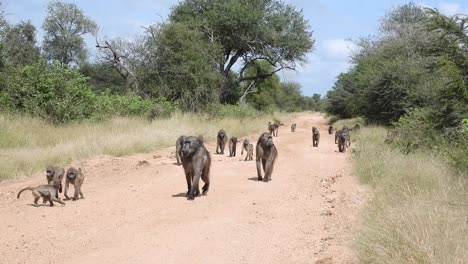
{"x":335,"y":25}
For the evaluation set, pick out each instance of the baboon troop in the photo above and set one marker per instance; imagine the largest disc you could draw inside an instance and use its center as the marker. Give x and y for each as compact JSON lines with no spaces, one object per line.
{"x":266,"y":155}
{"x":55,"y":174}
{"x":179,"y":144}
{"x":232,"y":146}
{"x":221,"y":141}
{"x":48,"y":193}
{"x":330,"y":130}
{"x":76,"y":178}
{"x":315,"y":136}
{"x":196,"y":161}
{"x":293,"y":127}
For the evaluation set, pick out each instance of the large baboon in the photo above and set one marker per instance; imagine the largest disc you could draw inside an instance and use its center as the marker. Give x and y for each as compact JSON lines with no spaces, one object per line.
{"x":232,"y":146}
{"x":343,"y":139}
{"x":178,"y":146}
{"x":55,"y":174}
{"x":75,"y":177}
{"x":293,"y":127}
{"x":249,"y":155}
{"x":330,"y":130}
{"x":221,"y":141}
{"x":47,"y":192}
{"x":346,"y":130}
{"x":196,"y":162}
{"x":315,"y":136}
{"x":266,"y":155}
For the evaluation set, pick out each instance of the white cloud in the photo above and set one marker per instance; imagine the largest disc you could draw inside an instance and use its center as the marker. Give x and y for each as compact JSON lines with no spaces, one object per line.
{"x":338,"y":48}
{"x":449,"y":8}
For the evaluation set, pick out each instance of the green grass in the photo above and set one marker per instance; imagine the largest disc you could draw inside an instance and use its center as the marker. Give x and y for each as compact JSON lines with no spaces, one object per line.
{"x":28,"y":145}
{"x":418,"y":210}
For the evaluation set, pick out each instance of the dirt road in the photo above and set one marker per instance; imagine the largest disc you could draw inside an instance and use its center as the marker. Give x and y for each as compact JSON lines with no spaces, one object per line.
{"x":135,"y":210}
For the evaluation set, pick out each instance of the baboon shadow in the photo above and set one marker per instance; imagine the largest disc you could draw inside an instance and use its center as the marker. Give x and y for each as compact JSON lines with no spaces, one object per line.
{"x":183,"y":194}
{"x":253,"y":179}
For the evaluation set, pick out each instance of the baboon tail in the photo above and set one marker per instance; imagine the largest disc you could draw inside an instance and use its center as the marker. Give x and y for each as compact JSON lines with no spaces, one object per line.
{"x":25,"y":189}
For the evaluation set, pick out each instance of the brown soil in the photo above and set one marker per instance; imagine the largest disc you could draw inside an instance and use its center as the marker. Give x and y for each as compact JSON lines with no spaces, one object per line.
{"x":135,"y":210}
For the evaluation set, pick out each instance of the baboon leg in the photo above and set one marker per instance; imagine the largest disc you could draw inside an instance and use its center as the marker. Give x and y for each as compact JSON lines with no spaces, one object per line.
{"x":268,"y":170}
{"x":188,"y":177}
{"x":194,"y":191}
{"x":44,"y":200}
{"x":259,"y":170}
{"x":50,"y":201}
{"x":36,"y":198}
{"x":263,"y":164}
{"x":246,"y":156}
{"x":205,"y":179}
{"x":77,"y":191}
{"x":222,"y":147}
{"x":217,"y":147}
{"x":81,"y":194}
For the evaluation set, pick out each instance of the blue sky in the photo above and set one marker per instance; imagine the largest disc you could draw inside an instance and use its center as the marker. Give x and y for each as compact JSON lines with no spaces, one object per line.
{"x":335,"y":24}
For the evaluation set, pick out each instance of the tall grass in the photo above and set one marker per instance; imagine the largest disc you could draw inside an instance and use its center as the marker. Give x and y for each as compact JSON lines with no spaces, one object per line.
{"x":418,"y":211}
{"x":28,"y":145}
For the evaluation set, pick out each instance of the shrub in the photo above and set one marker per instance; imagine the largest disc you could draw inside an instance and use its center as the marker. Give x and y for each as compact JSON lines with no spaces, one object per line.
{"x":162,"y":109}
{"x":216,"y":110}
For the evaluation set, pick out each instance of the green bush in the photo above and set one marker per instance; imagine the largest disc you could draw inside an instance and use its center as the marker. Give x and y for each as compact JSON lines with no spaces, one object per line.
{"x":111,"y":104}
{"x":216,"y":110}
{"x":162,"y":109}
{"x":51,"y":92}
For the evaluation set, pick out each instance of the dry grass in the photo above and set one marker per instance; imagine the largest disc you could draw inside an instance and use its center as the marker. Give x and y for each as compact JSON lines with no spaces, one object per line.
{"x":418,"y":212}
{"x":28,"y":145}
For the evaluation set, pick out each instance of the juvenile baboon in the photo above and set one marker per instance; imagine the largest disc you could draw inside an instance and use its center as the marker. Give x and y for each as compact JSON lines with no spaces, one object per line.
{"x":276,"y":127}
{"x":75,"y":177}
{"x":293,"y":127}
{"x":271,"y":128}
{"x":315,"y":136}
{"x":266,"y":155}
{"x":233,"y":146}
{"x":249,"y":155}
{"x":346,"y":130}
{"x":47,"y":192}
{"x":357,"y":127}
{"x":245,"y":144}
{"x":337,"y":135}
{"x":196,"y":162}
{"x":55,"y":174}
{"x":179,"y":143}
{"x":343,"y":139}
{"x":221,"y":141}
{"x":330,"y":130}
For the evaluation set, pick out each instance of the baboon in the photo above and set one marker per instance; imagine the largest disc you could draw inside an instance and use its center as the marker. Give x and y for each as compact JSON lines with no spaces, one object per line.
{"x":357,"y":127}
{"x":330,"y":130}
{"x":232,"y":146}
{"x":221,"y":141}
{"x":55,"y":173}
{"x":47,"y":192}
{"x":249,"y":155}
{"x":337,"y":135}
{"x":75,"y":177}
{"x":346,"y":130}
{"x":196,"y":161}
{"x":245,"y":144}
{"x":271,"y":128}
{"x":179,"y":143}
{"x":276,"y":126}
{"x":293,"y":127}
{"x":266,"y":155}
{"x":343,"y":139}
{"x":315,"y":136}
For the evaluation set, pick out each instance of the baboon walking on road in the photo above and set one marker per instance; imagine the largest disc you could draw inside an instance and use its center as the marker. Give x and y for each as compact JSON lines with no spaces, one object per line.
{"x":196,"y":161}
{"x":221,"y":141}
{"x":330,"y":130}
{"x":245,"y":144}
{"x":76,"y":178}
{"x":266,"y":155}
{"x":55,"y":174}
{"x":343,"y":139}
{"x":293,"y":127}
{"x":47,"y":192}
{"x":232,"y":146}
{"x":315,"y":137}
{"x":249,"y":155}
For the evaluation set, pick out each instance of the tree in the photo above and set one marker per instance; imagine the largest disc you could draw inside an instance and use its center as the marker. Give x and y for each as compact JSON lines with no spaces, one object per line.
{"x":64,"y":26}
{"x":19,"y":44}
{"x":249,"y":31}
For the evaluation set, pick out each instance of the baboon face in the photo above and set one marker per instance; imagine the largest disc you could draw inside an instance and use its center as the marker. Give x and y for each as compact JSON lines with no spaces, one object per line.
{"x":50,"y":172}
{"x":234,"y":139}
{"x":221,"y":133}
{"x":268,"y":140}
{"x":72,"y":173}
{"x":191,"y":144}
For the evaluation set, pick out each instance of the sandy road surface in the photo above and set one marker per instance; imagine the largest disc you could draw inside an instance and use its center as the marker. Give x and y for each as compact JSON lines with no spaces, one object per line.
{"x":135,"y":212}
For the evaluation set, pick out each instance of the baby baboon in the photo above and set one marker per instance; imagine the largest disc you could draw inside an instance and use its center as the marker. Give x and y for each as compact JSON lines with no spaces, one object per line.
{"x":76,"y":178}
{"x":293,"y":127}
{"x":55,"y":174}
{"x":343,"y":139}
{"x":330,"y":130}
{"x":232,"y":146}
{"x":47,"y":192}
{"x":245,"y":144}
{"x":315,"y":136}
{"x":196,"y":162}
{"x":249,"y":155}
{"x":221,"y":141}
{"x":178,"y":146}
{"x":266,"y":155}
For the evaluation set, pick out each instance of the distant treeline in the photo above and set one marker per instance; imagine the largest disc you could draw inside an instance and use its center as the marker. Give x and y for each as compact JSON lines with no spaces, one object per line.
{"x":206,"y":53}
{"x":412,"y":76}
